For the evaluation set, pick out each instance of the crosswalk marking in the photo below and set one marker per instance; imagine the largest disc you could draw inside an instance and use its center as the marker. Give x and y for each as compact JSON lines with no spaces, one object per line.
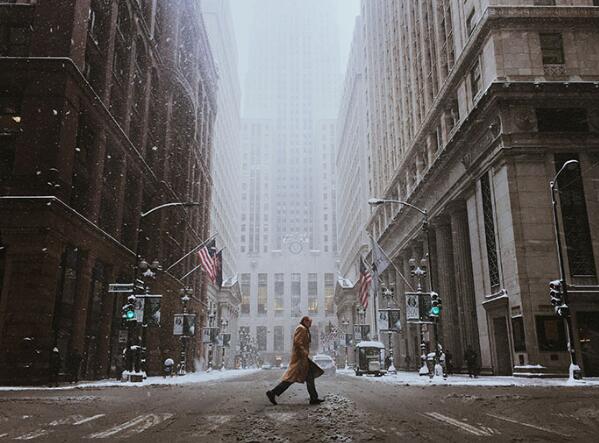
{"x":459,"y":424}
{"x":528,"y":425}
{"x":43,"y":431}
{"x":88,"y":419}
{"x":133,"y":426}
{"x":214,"y":421}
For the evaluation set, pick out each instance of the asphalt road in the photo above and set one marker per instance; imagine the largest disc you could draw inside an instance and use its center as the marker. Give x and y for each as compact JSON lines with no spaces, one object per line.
{"x":357,"y":409}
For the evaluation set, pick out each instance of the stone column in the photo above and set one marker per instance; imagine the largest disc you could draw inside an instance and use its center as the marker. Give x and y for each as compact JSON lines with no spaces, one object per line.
{"x":464,"y":282}
{"x":446,"y":289}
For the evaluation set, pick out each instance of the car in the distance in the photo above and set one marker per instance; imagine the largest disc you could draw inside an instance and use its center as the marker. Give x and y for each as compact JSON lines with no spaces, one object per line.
{"x":326,"y":363}
{"x":266,"y":366}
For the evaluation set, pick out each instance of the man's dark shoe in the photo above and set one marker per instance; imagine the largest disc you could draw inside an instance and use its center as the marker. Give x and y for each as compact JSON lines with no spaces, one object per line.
{"x":316,"y":401}
{"x":271,"y":397}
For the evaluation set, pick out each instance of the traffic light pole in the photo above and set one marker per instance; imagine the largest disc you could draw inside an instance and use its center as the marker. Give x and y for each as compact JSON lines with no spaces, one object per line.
{"x":574,"y":371}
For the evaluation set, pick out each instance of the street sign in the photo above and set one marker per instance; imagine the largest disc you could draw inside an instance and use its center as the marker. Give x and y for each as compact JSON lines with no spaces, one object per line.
{"x":184,"y":324}
{"x":139,"y":309}
{"x":126,"y":288}
{"x":390,"y":320}
{"x":418,"y":307}
{"x":412,"y":306}
{"x":361,"y":332}
{"x":123,"y":333}
{"x":178,"y":324}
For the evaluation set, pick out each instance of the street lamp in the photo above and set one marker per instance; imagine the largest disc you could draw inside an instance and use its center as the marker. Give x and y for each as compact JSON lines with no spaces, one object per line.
{"x":149,"y":270}
{"x":418,"y":270}
{"x":345,"y":324}
{"x":185,"y":294}
{"x":574,"y":370}
{"x":211,"y":316}
{"x":388,"y":296}
{"x":223,"y":323}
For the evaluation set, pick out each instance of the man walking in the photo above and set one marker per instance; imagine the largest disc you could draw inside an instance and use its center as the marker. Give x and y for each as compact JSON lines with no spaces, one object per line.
{"x":301,"y":368}
{"x":470,"y":357}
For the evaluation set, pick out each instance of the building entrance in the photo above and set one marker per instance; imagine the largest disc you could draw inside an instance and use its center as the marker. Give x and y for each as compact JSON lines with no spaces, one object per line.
{"x":588,"y":334}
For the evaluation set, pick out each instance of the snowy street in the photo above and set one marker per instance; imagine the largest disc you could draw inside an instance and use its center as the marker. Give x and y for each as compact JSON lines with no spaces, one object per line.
{"x":233,"y":407}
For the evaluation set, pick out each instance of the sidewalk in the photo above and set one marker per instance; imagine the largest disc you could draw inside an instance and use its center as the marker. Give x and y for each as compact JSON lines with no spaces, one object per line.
{"x":413,"y":379}
{"x":195,"y":377}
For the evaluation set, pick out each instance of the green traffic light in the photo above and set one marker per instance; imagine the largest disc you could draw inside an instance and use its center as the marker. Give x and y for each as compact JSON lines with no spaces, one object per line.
{"x":435,"y":310}
{"x":130,"y":315}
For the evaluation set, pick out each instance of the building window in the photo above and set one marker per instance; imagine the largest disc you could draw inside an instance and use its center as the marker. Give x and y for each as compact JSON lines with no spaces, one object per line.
{"x":262,"y":293}
{"x":544,"y":2}
{"x":552,"y":49}
{"x":475,"y":79}
{"x":489,"y":221}
{"x":279,"y":343}
{"x":550,"y":333}
{"x":562,"y":120}
{"x":575,"y":219}
{"x":261,"y":337}
{"x":279,"y":294}
{"x":312,"y":293}
{"x":470,"y":22}
{"x":329,"y":294}
{"x":296,"y":297}
{"x":245,"y":293}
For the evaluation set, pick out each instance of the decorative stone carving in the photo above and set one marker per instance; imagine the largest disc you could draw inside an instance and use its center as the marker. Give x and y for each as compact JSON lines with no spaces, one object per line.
{"x":524,"y":119}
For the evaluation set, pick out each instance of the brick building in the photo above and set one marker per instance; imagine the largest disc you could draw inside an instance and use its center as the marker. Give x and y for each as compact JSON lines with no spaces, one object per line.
{"x":106,"y":110}
{"x":473,"y":106}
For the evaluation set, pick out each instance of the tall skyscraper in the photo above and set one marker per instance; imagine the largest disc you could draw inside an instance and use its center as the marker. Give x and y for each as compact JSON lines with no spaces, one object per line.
{"x":288,"y":240}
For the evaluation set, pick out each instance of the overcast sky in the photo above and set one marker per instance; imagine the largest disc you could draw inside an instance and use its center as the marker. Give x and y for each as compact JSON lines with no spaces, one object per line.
{"x":242,"y":10}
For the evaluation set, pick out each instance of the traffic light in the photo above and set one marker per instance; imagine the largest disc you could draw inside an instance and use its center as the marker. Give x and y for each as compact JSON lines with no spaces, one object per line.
{"x":129,"y":309}
{"x":556,"y":293}
{"x":435,"y":305}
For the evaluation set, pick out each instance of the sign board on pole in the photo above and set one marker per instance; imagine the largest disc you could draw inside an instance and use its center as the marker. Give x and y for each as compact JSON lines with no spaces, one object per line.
{"x":120,"y":287}
{"x":348,"y":340}
{"x":412,"y":306}
{"x":389,"y":319}
{"x":152,"y":310}
{"x":206,"y":336}
{"x":226,"y":340}
{"x":123,"y":333}
{"x":184,"y":324}
{"x":361,"y":332}
{"x":178,"y":324}
{"x":139,"y":309}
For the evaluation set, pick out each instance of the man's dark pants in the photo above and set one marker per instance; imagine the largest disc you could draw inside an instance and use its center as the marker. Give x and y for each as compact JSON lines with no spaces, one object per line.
{"x":282,"y":387}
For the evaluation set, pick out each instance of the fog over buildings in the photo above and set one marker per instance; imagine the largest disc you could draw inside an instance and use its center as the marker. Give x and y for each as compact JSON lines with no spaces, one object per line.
{"x":288,"y":263}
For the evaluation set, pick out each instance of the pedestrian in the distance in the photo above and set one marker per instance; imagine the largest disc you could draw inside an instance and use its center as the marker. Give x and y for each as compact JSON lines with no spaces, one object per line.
{"x":301,"y":369}
{"x":74,"y":363}
{"x":470,"y":357}
{"x":55,"y":363}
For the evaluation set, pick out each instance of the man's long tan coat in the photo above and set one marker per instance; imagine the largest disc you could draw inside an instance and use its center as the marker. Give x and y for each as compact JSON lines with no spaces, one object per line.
{"x":299,"y":364}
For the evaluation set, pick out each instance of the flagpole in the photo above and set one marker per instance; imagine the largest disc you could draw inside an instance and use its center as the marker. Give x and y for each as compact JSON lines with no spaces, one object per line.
{"x":192,"y":251}
{"x":192,"y":271}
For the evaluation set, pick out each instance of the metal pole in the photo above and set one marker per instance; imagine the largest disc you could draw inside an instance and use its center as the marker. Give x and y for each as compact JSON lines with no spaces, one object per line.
{"x":564,"y":286}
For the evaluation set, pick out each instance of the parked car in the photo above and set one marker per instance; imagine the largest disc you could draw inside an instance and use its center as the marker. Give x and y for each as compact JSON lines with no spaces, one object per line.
{"x":266,"y":366}
{"x":326,"y":363}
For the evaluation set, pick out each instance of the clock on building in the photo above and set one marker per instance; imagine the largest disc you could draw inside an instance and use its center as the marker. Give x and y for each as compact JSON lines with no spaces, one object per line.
{"x":295,"y":247}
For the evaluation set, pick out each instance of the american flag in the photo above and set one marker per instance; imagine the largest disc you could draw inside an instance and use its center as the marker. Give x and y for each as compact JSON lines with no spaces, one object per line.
{"x":364,"y":284}
{"x":206,"y":255}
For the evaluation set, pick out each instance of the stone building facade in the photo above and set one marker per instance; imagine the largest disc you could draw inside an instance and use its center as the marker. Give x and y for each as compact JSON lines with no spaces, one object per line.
{"x":473,"y":107}
{"x":288,"y":239}
{"x":107,"y":110}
